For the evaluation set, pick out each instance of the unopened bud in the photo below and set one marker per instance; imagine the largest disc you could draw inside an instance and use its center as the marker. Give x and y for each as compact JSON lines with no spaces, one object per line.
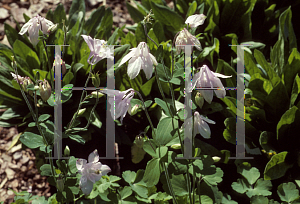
{"x":45,"y":90}
{"x":63,"y":67}
{"x":81,"y":111}
{"x":96,"y":80}
{"x":199,"y":99}
{"x":60,"y":184}
{"x":94,"y":94}
{"x":67,"y":151}
{"x":216,"y":159}
{"x":132,"y":111}
{"x":139,"y":141}
{"x":176,"y":146}
{"x":26,"y":82}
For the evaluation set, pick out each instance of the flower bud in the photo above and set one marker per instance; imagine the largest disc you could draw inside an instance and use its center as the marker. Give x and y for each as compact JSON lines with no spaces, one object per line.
{"x":139,"y":141}
{"x":81,"y":112}
{"x":26,"y":82}
{"x":67,"y":151}
{"x":60,"y":184}
{"x":199,"y":99}
{"x":132,"y":111}
{"x":96,"y":80}
{"x":94,"y":94}
{"x":63,"y":67}
{"x":216,"y":159}
{"x":176,"y":146}
{"x":45,"y":90}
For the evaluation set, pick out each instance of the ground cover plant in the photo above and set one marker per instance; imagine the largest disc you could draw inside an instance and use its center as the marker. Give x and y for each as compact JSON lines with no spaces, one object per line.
{"x":148,"y":66}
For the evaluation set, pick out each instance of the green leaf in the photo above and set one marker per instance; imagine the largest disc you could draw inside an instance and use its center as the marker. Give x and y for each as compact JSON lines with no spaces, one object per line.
{"x":135,"y":14}
{"x":129,"y":176}
{"x":165,"y":130}
{"x":32,"y":140}
{"x":125,"y":192}
{"x":147,"y":87}
{"x":261,"y":187}
{"x":77,"y":138}
{"x":214,"y":179}
{"x":76,"y":7}
{"x":168,"y":17}
{"x":250,"y":174}
{"x":152,"y":173}
{"x":46,"y":170}
{"x":11,"y":33}
{"x":291,"y":69}
{"x":59,"y":14}
{"x":226,"y":69}
{"x":94,"y":20}
{"x":104,"y":29}
{"x":276,"y":167}
{"x":68,"y":78}
{"x":288,"y":192}
{"x":137,"y":154}
{"x":152,"y":35}
{"x":72,"y":164}
{"x":44,"y":117}
{"x":27,"y":54}
{"x":295,"y":90}
{"x":179,"y":184}
{"x":259,"y":199}
{"x":192,"y":9}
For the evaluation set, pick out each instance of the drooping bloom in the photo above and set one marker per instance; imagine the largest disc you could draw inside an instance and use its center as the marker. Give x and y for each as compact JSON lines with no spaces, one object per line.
{"x":195,"y":20}
{"x":18,"y":78}
{"x":34,"y":25}
{"x":91,"y":171}
{"x":99,"y":49}
{"x":208,"y":79}
{"x":141,"y":58}
{"x":200,"y":125}
{"x":186,"y":38}
{"x":121,"y":100}
{"x":45,"y":90}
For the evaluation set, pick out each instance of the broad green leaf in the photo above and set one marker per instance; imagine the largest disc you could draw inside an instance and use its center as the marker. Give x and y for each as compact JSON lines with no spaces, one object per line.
{"x":137,"y":154}
{"x":76,"y":7}
{"x":291,"y":69}
{"x":27,"y":54}
{"x":250,"y":65}
{"x":44,"y":117}
{"x":288,"y":192}
{"x":227,"y":200}
{"x":32,"y":140}
{"x":46,"y":170}
{"x":225,"y":69}
{"x":276,"y":167}
{"x":129,"y":176}
{"x":165,"y":130}
{"x":135,"y":14}
{"x":168,"y":17}
{"x":250,"y":174}
{"x":94,"y":21}
{"x":152,"y":35}
{"x":152,"y":172}
{"x":11,"y":33}
{"x":259,"y":199}
{"x":125,"y":192}
{"x":179,"y":184}
{"x":261,"y":187}
{"x":159,"y":32}
{"x":104,"y":29}
{"x":59,"y":14}
{"x":215,"y":178}
{"x":147,"y":87}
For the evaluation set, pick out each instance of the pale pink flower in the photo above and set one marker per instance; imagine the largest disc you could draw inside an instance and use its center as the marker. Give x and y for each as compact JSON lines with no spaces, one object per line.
{"x":195,"y":20}
{"x":186,"y":38}
{"x":141,"y":58}
{"x":200,"y":125}
{"x":208,"y":79}
{"x":34,"y":25}
{"x":99,"y":49}
{"x":121,"y":100}
{"x":18,"y":78}
{"x":91,"y":172}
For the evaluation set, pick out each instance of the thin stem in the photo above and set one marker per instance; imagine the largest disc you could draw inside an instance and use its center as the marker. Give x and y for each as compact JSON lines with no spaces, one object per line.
{"x":49,"y":64}
{"x":80,"y":103}
{"x":169,"y":182}
{"x":97,"y":100}
{"x":194,"y":184}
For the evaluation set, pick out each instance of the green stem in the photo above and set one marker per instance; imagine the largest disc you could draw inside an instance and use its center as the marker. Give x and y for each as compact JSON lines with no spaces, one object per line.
{"x":35,"y":118}
{"x":80,"y":103}
{"x":89,"y":120}
{"x":49,"y":64}
{"x":169,"y":182}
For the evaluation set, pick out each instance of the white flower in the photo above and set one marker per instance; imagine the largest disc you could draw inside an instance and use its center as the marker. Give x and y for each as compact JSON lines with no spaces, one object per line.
{"x":121,"y":100}
{"x":208,"y":79}
{"x":200,"y":125}
{"x":18,"y":78}
{"x":99,"y":49}
{"x":185,"y":38}
{"x":195,"y":20}
{"x":91,"y":172}
{"x":33,"y":26}
{"x":141,"y":58}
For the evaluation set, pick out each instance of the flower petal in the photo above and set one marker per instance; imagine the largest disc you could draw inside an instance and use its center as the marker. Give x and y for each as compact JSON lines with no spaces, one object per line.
{"x":207,"y":120}
{"x":93,"y":157}
{"x":105,"y":170}
{"x":134,"y":67}
{"x":80,"y":163}
{"x":128,"y":56}
{"x":153,"y":59}
{"x":89,"y":41}
{"x":204,"y":129}
{"x":221,"y":75}
{"x":25,"y":27}
{"x":148,"y":67}
{"x":87,"y":189}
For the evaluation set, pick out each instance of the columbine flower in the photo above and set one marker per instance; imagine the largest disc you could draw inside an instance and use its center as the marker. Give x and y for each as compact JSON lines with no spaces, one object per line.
{"x":121,"y":100}
{"x":34,"y":25}
{"x":208,"y":79}
{"x":99,"y":49}
{"x":141,"y":58}
{"x":185,"y":38}
{"x":45,"y":90}
{"x":91,"y":172}
{"x":200,"y":125}
{"x":195,"y":20}
{"x":18,"y":78}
